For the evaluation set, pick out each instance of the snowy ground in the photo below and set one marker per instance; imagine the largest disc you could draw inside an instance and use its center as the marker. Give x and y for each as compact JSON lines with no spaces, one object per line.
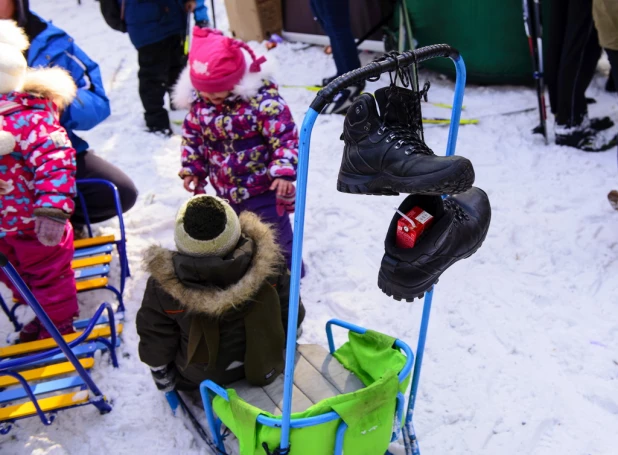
{"x":522,"y":351}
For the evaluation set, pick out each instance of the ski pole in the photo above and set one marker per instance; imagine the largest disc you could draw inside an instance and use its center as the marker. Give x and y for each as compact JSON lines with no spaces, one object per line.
{"x":541,"y":67}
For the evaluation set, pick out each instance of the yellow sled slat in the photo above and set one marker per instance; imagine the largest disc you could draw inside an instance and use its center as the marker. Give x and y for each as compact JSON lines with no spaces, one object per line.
{"x":46,"y":372}
{"x":90,"y":261}
{"x":94,"y":241}
{"x":49,"y":343}
{"x":47,"y":404}
{"x":94,"y":283}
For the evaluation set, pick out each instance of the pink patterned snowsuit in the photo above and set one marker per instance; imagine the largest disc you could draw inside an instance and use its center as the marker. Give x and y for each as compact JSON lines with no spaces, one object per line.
{"x":36,"y":179}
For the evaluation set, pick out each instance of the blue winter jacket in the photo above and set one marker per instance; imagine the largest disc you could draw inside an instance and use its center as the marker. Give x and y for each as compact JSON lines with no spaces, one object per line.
{"x":151,"y":21}
{"x":53,"y":47}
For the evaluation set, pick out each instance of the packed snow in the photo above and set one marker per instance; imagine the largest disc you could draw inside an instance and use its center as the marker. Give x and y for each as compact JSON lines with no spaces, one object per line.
{"x":521,"y":353}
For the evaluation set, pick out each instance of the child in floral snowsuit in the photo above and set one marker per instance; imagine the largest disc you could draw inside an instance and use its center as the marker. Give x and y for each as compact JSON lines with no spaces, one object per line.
{"x":37,"y":182}
{"x":239,"y":132}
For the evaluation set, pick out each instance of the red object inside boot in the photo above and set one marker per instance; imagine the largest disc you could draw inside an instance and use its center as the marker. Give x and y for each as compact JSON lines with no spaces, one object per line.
{"x":409,"y":233}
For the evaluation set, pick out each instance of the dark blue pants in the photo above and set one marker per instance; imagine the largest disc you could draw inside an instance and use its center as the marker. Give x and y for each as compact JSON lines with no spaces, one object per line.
{"x":334,"y":17}
{"x":265,"y":205}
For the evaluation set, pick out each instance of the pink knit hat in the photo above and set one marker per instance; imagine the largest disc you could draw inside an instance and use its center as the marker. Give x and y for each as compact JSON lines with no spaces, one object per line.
{"x":216,"y":62}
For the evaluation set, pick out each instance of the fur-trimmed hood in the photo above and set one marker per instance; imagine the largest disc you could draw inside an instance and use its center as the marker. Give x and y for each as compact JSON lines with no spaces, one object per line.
{"x":184,"y":94}
{"x":54,"y":84}
{"x":210,"y":300}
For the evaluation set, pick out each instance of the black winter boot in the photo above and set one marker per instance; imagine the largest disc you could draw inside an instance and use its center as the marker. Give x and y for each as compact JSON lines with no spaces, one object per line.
{"x":384,"y":153}
{"x":344,"y":99}
{"x":585,"y":136}
{"x":458,"y":230}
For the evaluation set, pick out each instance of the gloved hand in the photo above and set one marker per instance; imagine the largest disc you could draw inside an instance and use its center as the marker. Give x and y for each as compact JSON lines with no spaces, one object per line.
{"x":165,"y":377}
{"x":49,"y":230}
{"x":286,"y":202}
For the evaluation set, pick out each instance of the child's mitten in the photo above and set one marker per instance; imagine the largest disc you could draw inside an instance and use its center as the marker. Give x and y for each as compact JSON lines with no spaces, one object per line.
{"x":165,"y":377}
{"x":49,"y":230}
{"x":287,"y":202}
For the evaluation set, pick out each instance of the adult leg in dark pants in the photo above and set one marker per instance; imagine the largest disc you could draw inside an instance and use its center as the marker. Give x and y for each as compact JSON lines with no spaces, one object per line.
{"x":99,"y":199}
{"x":572,"y":59}
{"x":334,"y":18}
{"x":155,"y":69}
{"x":574,"y":39}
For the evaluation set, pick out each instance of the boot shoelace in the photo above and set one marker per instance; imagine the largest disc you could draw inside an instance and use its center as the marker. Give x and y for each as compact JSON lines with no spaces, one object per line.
{"x":405,"y":136}
{"x":459,"y":214}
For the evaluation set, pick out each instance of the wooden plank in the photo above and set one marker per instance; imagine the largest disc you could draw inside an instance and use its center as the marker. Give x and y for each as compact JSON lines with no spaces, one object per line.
{"x":94,"y":283}
{"x":93,"y":251}
{"x":46,"y":372}
{"x":49,"y":343}
{"x":91,"y":260}
{"x":19,"y":393}
{"x":88,"y":272}
{"x":27,"y":409}
{"x":93,"y":241}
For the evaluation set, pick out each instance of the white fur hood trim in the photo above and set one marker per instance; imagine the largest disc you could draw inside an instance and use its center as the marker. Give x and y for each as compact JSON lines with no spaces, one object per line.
{"x":183,"y":94}
{"x":54,"y":84}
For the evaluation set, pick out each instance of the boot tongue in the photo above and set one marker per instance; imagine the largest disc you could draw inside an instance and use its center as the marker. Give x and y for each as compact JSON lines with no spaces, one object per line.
{"x":404,"y":107}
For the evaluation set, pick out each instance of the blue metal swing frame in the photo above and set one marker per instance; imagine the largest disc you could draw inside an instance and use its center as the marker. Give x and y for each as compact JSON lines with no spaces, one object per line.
{"x":121,"y":244}
{"x":69,"y":350}
{"x":285,"y":422}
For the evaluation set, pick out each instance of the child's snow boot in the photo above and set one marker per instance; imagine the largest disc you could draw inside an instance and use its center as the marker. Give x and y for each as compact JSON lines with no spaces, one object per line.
{"x":30,"y":332}
{"x":459,"y":228}
{"x":384,"y":153}
{"x":64,"y":327}
{"x":34,"y":330}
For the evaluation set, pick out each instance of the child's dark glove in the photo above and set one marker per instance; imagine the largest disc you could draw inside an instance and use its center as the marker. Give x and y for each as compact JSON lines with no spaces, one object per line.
{"x":165,"y":377}
{"x":286,"y":203}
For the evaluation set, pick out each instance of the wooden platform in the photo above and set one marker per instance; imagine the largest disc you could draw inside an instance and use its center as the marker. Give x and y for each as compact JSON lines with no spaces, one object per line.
{"x":317,"y":376}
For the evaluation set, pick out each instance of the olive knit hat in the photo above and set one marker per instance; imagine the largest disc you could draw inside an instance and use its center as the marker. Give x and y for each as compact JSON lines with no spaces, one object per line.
{"x":206,"y":226}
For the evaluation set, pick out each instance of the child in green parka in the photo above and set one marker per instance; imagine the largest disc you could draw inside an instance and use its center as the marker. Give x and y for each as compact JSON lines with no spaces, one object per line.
{"x":216,"y":308}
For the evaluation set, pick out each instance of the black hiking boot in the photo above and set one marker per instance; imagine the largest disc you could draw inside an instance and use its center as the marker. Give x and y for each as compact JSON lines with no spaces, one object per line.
{"x":384,"y":154}
{"x":601,"y":123}
{"x":596,"y":124}
{"x":459,"y":228}
{"x":585,"y":137}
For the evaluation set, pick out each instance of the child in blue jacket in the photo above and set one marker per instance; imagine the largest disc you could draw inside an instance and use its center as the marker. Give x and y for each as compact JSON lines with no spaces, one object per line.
{"x":157,"y":29}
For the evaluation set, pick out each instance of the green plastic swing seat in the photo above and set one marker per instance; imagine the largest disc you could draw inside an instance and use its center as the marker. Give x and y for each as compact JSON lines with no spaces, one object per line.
{"x":359,"y":382}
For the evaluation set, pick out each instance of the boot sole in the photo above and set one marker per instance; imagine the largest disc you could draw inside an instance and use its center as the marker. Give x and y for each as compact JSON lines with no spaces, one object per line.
{"x":399,"y":292}
{"x":382,"y":184}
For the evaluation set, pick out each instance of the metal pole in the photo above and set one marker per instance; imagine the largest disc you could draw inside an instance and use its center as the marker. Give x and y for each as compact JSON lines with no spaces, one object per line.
{"x":297,"y":252}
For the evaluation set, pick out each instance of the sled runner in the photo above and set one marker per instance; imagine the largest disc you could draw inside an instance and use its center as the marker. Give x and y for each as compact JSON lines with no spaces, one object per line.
{"x":346,"y":400}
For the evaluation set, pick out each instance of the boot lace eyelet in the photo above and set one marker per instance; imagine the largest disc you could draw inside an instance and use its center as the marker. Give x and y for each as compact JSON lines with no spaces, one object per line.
{"x":408,"y":152}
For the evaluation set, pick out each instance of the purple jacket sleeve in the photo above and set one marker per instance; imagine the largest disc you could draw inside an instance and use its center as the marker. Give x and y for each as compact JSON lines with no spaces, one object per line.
{"x":194,"y":151}
{"x":279,"y":130}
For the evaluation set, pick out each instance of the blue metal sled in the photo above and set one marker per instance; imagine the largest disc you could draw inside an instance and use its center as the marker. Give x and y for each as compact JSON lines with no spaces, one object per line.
{"x":285,"y":422}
